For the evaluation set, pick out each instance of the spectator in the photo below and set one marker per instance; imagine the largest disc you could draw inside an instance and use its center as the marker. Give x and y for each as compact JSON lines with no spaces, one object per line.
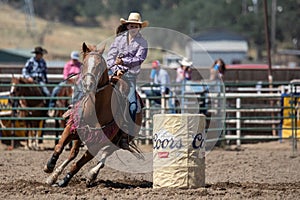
{"x":126,"y":54}
{"x":184,"y":72}
{"x":161,"y":78}
{"x":35,"y":69}
{"x":72,"y":67}
{"x":217,"y":70}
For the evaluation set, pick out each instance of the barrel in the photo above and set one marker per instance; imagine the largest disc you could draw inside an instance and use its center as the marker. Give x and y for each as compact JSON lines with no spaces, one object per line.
{"x":179,"y":150}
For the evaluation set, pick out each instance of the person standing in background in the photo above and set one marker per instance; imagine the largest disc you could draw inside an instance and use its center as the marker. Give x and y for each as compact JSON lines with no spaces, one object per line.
{"x":161,"y":78}
{"x":184,"y":72}
{"x":217,"y":70}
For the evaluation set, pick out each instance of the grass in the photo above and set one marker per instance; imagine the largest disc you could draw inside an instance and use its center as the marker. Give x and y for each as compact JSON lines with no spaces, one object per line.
{"x":59,"y":39}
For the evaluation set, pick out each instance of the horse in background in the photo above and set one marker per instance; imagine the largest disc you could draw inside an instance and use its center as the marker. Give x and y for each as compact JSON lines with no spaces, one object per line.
{"x":96,"y":120}
{"x":29,"y":91}
{"x":61,"y":104}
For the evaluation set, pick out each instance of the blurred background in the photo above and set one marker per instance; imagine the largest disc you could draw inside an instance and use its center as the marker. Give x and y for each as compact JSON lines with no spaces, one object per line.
{"x":62,"y":25}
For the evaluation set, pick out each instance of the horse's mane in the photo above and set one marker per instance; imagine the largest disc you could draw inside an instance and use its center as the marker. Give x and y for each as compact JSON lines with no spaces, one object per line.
{"x":23,"y":80}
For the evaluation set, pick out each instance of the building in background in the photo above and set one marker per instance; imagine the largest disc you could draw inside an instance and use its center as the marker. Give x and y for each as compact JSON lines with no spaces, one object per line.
{"x":218,"y":43}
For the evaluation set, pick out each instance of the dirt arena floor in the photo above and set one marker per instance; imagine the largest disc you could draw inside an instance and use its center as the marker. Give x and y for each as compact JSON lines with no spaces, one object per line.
{"x":256,"y":171}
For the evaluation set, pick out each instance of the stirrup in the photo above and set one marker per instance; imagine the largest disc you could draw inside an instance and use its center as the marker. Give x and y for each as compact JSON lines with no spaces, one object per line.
{"x":124,"y":144}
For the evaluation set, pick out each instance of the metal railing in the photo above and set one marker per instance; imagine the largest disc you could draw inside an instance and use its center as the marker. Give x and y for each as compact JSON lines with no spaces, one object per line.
{"x":249,"y":112}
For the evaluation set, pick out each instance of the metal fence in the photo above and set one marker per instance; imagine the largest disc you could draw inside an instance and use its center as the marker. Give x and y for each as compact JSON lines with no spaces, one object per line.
{"x":245,"y":112}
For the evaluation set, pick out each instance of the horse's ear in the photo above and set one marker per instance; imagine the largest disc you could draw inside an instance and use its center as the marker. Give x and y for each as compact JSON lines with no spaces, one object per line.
{"x":85,"y":48}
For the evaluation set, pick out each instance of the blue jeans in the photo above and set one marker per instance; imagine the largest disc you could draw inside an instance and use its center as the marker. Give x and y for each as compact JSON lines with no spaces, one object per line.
{"x":131,"y":81}
{"x":54,"y":93}
{"x":45,"y":90}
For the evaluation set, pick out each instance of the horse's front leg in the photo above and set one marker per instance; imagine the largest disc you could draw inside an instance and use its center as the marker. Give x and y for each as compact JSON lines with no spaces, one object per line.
{"x":93,"y":173}
{"x":36,"y":140}
{"x":66,"y":137}
{"x":86,"y":157}
{"x":73,"y":154}
{"x":29,"y":138}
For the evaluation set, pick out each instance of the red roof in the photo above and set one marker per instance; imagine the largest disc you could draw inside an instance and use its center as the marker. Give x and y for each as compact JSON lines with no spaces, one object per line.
{"x":247,"y":66}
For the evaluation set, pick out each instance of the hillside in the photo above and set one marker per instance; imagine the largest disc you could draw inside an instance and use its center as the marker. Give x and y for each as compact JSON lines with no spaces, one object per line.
{"x":59,"y":39}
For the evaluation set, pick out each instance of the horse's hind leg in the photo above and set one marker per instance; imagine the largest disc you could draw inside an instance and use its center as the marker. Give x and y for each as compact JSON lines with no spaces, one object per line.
{"x":73,"y":153}
{"x":65,"y":139}
{"x":93,"y":173}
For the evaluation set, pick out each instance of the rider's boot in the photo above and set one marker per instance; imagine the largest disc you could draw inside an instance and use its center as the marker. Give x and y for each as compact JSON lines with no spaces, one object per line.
{"x":124,"y":142}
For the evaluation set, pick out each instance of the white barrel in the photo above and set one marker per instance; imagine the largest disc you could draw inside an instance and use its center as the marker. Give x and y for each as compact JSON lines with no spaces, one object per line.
{"x":179,"y":150}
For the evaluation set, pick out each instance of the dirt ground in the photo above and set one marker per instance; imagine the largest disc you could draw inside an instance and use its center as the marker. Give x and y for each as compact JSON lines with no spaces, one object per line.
{"x":255,"y":171}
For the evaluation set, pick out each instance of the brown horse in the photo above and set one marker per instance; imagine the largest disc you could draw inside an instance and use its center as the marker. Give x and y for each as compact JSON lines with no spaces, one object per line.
{"x":96,"y":120}
{"x":17,"y":90}
{"x":61,"y":104}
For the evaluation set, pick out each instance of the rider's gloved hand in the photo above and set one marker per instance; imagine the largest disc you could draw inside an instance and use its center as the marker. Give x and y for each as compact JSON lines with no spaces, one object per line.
{"x":119,"y":61}
{"x":120,"y":73}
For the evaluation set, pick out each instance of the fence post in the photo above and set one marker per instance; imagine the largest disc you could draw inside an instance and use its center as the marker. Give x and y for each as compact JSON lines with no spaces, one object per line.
{"x":163,"y":104}
{"x":147,"y":125}
{"x":238,"y":121}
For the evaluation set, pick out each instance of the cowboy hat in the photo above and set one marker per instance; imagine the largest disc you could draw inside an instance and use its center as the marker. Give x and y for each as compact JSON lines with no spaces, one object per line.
{"x":134,"y":18}
{"x":185,"y":62}
{"x":39,"y":50}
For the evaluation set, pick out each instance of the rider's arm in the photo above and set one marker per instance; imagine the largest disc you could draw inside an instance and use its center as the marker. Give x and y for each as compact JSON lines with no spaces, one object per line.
{"x":67,"y":69}
{"x":43,"y":71}
{"x":27,"y":68}
{"x":112,"y":53}
{"x":45,"y":75}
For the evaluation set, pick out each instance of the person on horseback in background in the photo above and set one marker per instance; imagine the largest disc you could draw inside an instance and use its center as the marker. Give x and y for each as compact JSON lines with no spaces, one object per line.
{"x":35,"y":69}
{"x":126,"y":54}
{"x":72,"y":67}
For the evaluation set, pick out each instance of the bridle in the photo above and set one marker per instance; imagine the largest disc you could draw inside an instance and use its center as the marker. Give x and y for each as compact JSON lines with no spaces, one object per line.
{"x":94,"y":77}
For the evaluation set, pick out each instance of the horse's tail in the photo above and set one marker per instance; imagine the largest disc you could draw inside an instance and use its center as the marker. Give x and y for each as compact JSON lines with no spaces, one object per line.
{"x":136,"y":151}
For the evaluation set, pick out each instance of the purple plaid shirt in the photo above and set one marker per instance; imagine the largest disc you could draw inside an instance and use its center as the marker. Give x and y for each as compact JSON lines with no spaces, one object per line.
{"x":134,"y":53}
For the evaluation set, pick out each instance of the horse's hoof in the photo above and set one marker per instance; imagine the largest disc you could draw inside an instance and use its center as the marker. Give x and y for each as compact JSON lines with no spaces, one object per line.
{"x":49,"y":181}
{"x":89,"y":183}
{"x":65,"y":181}
{"x":47,"y":170}
{"x":49,"y":167}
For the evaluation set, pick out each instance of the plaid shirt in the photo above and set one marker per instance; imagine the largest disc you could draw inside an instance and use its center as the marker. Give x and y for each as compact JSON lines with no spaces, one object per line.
{"x":36,"y":70}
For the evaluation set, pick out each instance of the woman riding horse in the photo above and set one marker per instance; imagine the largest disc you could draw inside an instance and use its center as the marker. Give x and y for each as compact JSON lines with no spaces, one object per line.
{"x":95,"y":120}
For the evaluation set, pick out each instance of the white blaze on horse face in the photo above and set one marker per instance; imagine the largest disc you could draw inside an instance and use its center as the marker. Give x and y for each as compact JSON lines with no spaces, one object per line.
{"x":12,"y":89}
{"x":91,"y":65}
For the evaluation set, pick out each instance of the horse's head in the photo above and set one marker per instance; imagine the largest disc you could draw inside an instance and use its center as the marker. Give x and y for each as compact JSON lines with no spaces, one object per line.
{"x":18,"y":90}
{"x":15,"y":90}
{"x":94,"y":71}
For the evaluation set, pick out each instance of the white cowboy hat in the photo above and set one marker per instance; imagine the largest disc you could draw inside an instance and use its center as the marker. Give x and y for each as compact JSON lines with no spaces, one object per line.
{"x":185,"y":62}
{"x":134,"y":18}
